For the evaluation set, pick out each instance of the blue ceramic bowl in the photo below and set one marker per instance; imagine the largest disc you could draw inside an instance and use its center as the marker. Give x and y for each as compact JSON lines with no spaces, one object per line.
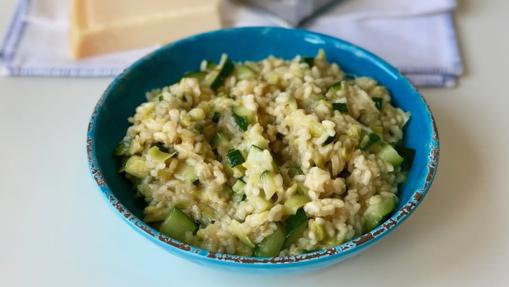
{"x":166,"y":65}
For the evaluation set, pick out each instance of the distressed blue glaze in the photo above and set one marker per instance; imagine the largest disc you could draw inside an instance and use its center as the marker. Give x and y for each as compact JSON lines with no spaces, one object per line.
{"x":164,"y":66}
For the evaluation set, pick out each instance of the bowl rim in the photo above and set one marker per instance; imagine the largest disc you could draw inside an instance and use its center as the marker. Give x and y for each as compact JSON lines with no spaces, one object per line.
{"x":340,"y":251}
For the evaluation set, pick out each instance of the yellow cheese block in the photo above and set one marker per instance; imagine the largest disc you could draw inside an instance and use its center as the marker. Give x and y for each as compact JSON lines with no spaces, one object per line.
{"x":104,"y":26}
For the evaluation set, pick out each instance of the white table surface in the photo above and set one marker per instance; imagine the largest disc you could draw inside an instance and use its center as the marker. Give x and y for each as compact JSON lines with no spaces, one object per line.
{"x":57,"y":230}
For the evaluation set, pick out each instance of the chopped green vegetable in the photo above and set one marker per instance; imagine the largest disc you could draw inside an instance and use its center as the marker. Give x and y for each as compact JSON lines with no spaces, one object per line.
{"x":296,"y":201}
{"x":195,"y":74}
{"x":242,"y":122}
{"x":157,"y":155}
{"x":223,"y":71}
{"x":122,"y":148}
{"x":379,"y":102}
{"x":256,"y":148}
{"x":335,"y":87}
{"x":238,"y":230}
{"x":390,"y":155}
{"x":318,"y":230}
{"x":244,"y":250}
{"x":163,"y":148}
{"x":136,"y":166}
{"x":316,"y":129}
{"x":260,"y":203}
{"x":329,"y":140}
{"x":186,"y":173}
{"x":177,"y":225}
{"x":220,"y":143}
{"x":268,"y":184}
{"x":242,"y":117}
{"x":235,"y":157}
{"x":341,"y":107}
{"x":272,"y":244}
{"x":218,"y":139}
{"x":295,"y":226}
{"x":308,"y":60}
{"x":293,"y":171}
{"x":408,"y":155}
{"x":243,"y":72}
{"x":368,"y":140}
{"x":197,"y":129}
{"x":378,"y":208}
{"x":211,"y":65}
{"x":215,"y":117}
{"x":238,"y":186}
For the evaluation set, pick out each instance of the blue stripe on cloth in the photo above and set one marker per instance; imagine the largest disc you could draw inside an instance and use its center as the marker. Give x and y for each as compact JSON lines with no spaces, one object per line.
{"x":14,"y":32}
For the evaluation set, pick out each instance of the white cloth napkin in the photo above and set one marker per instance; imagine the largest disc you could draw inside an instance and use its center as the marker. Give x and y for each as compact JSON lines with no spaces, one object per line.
{"x":416,"y":36}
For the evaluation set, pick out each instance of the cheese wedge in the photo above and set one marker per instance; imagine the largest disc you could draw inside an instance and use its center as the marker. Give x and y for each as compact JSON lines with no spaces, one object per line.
{"x":104,"y":26}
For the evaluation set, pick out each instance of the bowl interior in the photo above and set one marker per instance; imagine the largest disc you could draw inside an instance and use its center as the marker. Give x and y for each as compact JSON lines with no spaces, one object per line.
{"x":166,"y":66}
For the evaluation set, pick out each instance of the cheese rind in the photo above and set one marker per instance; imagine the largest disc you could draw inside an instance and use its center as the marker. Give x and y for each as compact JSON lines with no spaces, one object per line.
{"x":97,"y":27}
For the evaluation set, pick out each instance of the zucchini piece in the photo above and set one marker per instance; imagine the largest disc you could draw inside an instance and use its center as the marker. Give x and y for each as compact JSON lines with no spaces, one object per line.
{"x":122,"y":148}
{"x":316,"y":129}
{"x":259,"y":203}
{"x":242,"y":122}
{"x":223,"y":71}
{"x":272,"y":244}
{"x":157,"y":155}
{"x":243,"y":72}
{"x":177,"y":225}
{"x":215,"y":117}
{"x":195,"y":74}
{"x":186,"y":173}
{"x":295,"y":226}
{"x":197,"y":129}
{"x":242,"y":117}
{"x":341,"y":107}
{"x":218,"y":140}
{"x":268,"y":184}
{"x":294,"y":202}
{"x":211,"y":65}
{"x":240,"y":232}
{"x":309,"y":60}
{"x":256,"y":148}
{"x":379,"y":102}
{"x":235,"y":157}
{"x":390,"y":155}
{"x":329,"y":140}
{"x":379,"y":130}
{"x":378,"y":208}
{"x":244,"y":250}
{"x":335,"y":87}
{"x":220,"y":143}
{"x":136,"y":166}
{"x":318,"y":230}
{"x":238,"y":186}
{"x":293,"y":171}
{"x":408,"y":155}
{"x":163,"y":148}
{"x":368,"y":140}
{"x":209,"y":131}
{"x":238,"y":190}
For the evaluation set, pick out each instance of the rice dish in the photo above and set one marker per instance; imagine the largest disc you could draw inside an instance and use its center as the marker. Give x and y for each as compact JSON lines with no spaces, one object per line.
{"x":269,"y":158}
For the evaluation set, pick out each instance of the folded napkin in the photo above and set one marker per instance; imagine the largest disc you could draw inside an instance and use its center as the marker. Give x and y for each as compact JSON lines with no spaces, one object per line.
{"x":416,"y":36}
